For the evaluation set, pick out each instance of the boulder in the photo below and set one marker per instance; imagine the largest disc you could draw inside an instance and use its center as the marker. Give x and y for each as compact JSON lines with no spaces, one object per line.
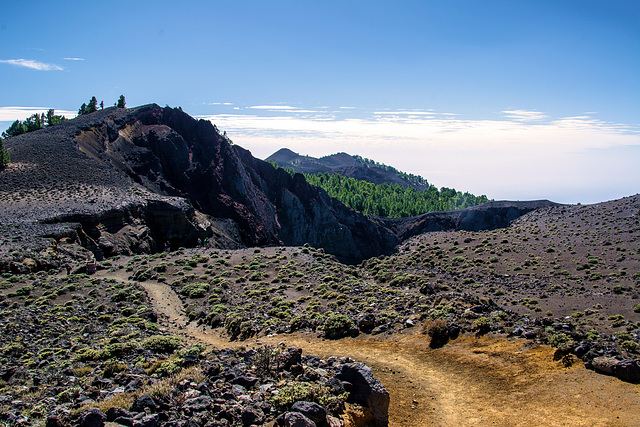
{"x":366,"y":390}
{"x":92,"y":417}
{"x":144,"y":401}
{"x":294,"y":419}
{"x":252,"y":415}
{"x":291,"y":356}
{"x":117,"y":412}
{"x":197,"y":404}
{"x":245,"y":381}
{"x":367,"y":322}
{"x":54,"y":421}
{"x":604,"y":364}
{"x":581,"y":349}
{"x":311,"y":410}
{"x":147,"y":421}
{"x":628,"y":370}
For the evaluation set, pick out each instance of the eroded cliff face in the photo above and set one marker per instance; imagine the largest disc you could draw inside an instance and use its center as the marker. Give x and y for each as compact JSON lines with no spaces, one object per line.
{"x":172,"y":154}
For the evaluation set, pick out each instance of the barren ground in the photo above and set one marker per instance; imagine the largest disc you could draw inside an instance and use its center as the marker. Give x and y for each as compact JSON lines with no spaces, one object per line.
{"x":471,"y":381}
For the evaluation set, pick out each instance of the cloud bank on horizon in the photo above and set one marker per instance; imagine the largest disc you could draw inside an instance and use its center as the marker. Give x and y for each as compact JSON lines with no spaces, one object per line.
{"x":520,"y":155}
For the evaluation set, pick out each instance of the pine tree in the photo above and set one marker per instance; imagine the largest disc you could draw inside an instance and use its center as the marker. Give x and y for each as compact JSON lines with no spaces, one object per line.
{"x":53,"y":119}
{"x":16,"y":128}
{"x":4,"y":155}
{"x":121,"y":102}
{"x":93,"y":105}
{"x":83,"y":109}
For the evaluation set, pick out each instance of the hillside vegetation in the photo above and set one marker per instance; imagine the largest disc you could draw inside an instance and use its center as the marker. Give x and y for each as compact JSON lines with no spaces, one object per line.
{"x":392,"y":200}
{"x":373,"y":188}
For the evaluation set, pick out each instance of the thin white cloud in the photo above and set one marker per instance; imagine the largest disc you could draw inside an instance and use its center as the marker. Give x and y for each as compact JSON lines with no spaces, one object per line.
{"x":220,"y":103}
{"x":524,"y":115}
{"x":30,"y":63}
{"x":405,"y":112}
{"x":282,"y":109}
{"x":73,"y":59}
{"x":11,"y":114}
{"x":272,"y":107}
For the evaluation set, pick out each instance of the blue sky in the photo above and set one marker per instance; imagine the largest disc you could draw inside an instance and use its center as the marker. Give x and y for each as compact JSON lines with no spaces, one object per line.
{"x":512,"y":99}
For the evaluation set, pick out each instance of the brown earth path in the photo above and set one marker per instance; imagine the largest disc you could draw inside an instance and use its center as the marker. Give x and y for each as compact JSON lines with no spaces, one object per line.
{"x":471,"y":381}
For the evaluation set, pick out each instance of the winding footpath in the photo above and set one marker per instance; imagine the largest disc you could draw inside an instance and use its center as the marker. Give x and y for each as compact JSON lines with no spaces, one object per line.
{"x":470,"y":381}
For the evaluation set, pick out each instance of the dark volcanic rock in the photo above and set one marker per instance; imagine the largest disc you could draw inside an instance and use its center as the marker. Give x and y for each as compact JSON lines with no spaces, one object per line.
{"x":143,"y":402}
{"x":311,"y":410}
{"x":367,"y":390}
{"x":137,"y":178}
{"x":92,"y":417}
{"x":294,"y":419}
{"x":488,"y":216}
{"x":628,"y":370}
{"x":605,"y":364}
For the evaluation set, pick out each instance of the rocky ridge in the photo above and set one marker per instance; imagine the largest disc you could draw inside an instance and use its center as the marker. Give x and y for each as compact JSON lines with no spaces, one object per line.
{"x":126,"y":181}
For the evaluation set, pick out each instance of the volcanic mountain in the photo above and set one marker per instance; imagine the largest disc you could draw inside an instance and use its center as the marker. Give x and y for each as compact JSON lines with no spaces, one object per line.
{"x":347,"y":165}
{"x":123,"y":181}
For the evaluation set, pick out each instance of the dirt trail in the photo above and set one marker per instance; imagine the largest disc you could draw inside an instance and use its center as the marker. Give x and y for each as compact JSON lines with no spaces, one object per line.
{"x":471,"y":381}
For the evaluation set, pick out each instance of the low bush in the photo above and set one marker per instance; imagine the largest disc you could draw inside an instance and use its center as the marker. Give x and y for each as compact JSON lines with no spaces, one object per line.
{"x":337,"y":326}
{"x":438,"y":332}
{"x":161,"y":343}
{"x":195,"y":290}
{"x":482,"y":325}
{"x":309,"y":392}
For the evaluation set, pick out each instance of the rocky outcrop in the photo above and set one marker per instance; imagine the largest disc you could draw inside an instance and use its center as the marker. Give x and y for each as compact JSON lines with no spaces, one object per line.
{"x":626,"y":370}
{"x":488,"y":216}
{"x":173,"y":155}
{"x":366,"y":391}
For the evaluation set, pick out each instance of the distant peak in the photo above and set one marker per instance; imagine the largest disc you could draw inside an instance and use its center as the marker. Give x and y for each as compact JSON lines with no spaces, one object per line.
{"x":284,"y":151}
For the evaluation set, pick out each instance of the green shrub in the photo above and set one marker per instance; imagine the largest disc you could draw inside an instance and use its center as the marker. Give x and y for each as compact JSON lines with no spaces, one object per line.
{"x":144,"y":274}
{"x":86,"y":354}
{"x":15,"y":349}
{"x":617,"y":320}
{"x":556,"y":340}
{"x":113,"y":367}
{"x":195,"y":290}
{"x":168,"y":368}
{"x":117,"y":349}
{"x":309,"y":392}
{"x":482,"y":325}
{"x":161,"y":343}
{"x":337,"y":326}
{"x":4,"y":155}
